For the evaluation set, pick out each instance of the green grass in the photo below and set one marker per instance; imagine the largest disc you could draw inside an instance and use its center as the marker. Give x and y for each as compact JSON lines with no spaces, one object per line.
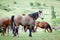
{"x":41,"y":35}
{"x":23,"y":7}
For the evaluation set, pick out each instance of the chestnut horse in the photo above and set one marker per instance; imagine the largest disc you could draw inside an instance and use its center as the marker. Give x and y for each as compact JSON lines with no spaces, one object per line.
{"x":28,"y":19}
{"x":4,"y":23}
{"x":43,"y":25}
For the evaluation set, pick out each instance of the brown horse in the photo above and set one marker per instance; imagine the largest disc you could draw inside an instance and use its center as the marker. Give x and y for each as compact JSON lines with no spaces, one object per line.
{"x":28,"y":20}
{"x":43,"y":25}
{"x":4,"y":23}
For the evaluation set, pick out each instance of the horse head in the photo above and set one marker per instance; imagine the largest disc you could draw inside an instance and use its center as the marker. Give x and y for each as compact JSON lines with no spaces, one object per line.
{"x":40,"y":14}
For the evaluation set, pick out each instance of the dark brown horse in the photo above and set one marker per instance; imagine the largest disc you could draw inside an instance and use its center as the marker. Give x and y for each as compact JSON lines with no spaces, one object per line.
{"x":4,"y":23}
{"x":28,"y":20}
{"x":43,"y":25}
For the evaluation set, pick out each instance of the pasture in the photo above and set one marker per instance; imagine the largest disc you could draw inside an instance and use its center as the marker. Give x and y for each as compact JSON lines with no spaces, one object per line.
{"x":40,"y":35}
{"x":18,"y":7}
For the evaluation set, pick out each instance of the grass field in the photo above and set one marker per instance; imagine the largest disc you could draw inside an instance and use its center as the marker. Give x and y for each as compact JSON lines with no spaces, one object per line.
{"x":23,"y":7}
{"x":40,"y":35}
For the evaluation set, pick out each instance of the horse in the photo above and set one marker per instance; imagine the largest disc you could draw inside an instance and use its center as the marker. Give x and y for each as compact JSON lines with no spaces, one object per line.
{"x":43,"y":25}
{"x":28,"y":20}
{"x":4,"y":23}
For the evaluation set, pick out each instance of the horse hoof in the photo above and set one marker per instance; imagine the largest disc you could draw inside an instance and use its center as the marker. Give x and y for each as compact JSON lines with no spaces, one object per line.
{"x":15,"y":35}
{"x":25,"y":31}
{"x":30,"y":35}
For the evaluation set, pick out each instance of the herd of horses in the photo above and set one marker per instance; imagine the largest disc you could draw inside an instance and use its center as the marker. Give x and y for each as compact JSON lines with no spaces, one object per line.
{"x":27,"y":21}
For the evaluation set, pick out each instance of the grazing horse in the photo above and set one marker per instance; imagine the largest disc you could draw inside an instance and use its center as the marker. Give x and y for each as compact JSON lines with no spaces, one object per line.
{"x":43,"y":25}
{"x":4,"y":23}
{"x":24,"y":20}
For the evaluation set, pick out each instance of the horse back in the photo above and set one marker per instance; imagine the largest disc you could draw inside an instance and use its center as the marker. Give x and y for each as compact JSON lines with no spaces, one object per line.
{"x":4,"y":21}
{"x":42,"y":24}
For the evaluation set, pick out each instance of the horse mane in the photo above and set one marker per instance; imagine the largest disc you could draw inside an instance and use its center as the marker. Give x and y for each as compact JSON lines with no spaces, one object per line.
{"x":34,"y":15}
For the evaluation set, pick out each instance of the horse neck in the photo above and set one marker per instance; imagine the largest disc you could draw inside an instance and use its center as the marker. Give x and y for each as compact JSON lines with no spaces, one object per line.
{"x":34,"y":15}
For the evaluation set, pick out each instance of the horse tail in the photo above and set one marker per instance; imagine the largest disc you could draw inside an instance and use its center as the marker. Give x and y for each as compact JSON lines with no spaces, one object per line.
{"x":12,"y":21}
{"x":50,"y":28}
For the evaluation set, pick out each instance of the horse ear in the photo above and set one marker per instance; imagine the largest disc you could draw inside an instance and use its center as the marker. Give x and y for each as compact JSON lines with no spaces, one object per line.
{"x":40,"y":11}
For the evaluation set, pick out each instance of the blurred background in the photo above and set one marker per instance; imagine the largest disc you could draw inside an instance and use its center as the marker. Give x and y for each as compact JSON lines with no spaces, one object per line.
{"x":50,"y":8}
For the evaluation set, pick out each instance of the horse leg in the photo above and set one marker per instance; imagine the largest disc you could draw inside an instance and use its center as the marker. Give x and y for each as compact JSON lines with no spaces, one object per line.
{"x":8,"y":30}
{"x":35,"y":28}
{"x":17,"y":30}
{"x":14,"y":31}
{"x":33,"y":25}
{"x":25,"y":28}
{"x":45,"y":29}
{"x":50,"y":30}
{"x":4,"y":31}
{"x":30,"y":32}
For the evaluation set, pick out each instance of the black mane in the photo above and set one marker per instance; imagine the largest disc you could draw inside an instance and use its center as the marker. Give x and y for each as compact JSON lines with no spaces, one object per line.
{"x":34,"y":15}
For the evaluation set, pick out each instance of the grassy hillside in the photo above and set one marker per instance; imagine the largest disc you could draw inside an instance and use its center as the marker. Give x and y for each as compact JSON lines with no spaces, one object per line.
{"x":17,"y":7}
